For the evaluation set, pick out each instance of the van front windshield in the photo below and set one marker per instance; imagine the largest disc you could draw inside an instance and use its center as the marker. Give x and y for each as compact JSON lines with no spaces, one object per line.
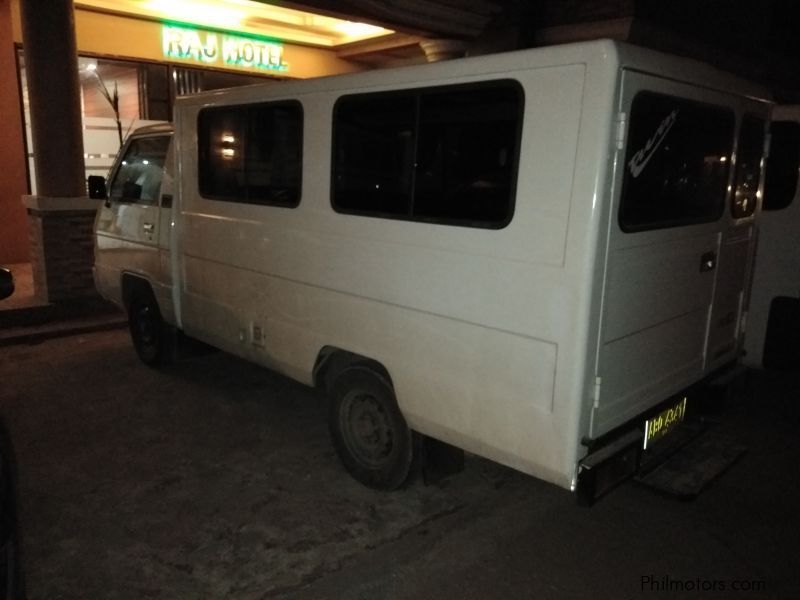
{"x":138,"y":178}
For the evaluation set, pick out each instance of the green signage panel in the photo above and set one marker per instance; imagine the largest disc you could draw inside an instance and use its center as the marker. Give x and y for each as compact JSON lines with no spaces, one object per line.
{"x":222,"y":49}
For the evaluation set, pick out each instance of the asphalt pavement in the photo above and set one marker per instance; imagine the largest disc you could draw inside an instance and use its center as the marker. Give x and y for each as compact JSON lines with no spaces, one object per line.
{"x":215,"y":478}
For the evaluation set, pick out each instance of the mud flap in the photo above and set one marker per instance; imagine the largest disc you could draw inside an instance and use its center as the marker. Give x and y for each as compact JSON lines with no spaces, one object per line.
{"x":438,"y":459}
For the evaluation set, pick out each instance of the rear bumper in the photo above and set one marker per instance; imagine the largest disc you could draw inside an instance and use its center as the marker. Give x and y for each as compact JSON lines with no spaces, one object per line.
{"x":621,"y":454}
{"x":601,"y":471}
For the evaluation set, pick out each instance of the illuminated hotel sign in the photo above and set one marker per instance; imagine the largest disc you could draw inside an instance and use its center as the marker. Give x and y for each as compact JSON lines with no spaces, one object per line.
{"x":222,"y":49}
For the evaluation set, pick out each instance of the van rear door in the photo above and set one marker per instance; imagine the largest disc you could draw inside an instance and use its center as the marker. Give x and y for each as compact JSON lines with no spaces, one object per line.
{"x":737,"y":248}
{"x":677,"y":260}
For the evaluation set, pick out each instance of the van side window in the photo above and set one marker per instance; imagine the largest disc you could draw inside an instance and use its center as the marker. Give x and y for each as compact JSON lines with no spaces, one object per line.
{"x":138,"y":178}
{"x":749,"y":154}
{"x":676,"y":164}
{"x":251,"y":153}
{"x":442,"y":155}
{"x":374,"y":154}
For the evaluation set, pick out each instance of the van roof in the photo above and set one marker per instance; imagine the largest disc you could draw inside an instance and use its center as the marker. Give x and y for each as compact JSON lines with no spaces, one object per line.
{"x":606,"y":55}
{"x":157,"y":128}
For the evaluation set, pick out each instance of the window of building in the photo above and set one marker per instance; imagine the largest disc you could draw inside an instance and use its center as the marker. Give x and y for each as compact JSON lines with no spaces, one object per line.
{"x":442,"y":155}
{"x":251,"y":153}
{"x":104,"y":82}
{"x":749,"y":154}
{"x":677,"y":162}
{"x":192,"y":80}
{"x":142,"y":94}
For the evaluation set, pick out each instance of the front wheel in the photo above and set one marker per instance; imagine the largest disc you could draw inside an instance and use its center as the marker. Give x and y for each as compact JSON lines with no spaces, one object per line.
{"x":369,"y":432}
{"x":151,"y":336}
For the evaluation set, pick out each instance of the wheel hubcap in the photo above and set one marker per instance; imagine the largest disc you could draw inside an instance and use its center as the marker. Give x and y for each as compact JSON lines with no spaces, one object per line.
{"x":367,"y":430}
{"x":145,"y":326}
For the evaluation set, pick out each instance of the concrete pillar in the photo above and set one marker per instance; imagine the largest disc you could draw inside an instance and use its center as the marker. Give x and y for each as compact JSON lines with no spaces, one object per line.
{"x":436,"y":50}
{"x":51,"y":67}
{"x":60,"y":217}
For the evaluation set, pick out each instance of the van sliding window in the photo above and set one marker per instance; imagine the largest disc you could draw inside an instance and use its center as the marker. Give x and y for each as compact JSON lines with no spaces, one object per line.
{"x":442,"y":155}
{"x":677,"y":162}
{"x":251,"y":153}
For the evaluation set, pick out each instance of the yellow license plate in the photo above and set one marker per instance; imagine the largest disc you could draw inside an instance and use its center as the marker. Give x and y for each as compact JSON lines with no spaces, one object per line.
{"x":664,"y":422}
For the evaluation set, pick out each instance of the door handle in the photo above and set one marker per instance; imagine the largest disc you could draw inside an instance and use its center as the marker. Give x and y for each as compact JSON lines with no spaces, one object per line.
{"x":708,"y":261}
{"x":148,"y":227}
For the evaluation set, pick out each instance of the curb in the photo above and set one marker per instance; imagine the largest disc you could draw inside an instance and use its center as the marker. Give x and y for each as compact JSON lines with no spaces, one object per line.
{"x":37,"y":334}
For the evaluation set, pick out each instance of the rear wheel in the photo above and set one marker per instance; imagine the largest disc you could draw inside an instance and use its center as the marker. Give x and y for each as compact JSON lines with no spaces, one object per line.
{"x":151,"y":336}
{"x":369,"y":432}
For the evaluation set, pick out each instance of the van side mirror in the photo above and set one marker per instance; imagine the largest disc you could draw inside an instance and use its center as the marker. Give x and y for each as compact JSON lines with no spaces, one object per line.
{"x":97,"y":187}
{"x":783,"y":165}
{"x":6,"y":283}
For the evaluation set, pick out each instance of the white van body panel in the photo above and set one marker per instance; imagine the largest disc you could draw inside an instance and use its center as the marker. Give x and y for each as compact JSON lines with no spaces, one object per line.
{"x":777,"y":264}
{"x":491,"y":310}
{"x":504,"y":342}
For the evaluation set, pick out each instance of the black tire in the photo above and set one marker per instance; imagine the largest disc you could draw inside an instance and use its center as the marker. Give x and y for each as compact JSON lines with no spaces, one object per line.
{"x":152,"y":337}
{"x":12,"y":582}
{"x":369,"y":432}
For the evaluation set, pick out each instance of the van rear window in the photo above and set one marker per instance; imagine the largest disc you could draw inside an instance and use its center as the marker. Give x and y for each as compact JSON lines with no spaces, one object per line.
{"x":677,"y":162}
{"x":442,"y":155}
{"x":251,"y":153}
{"x":749,"y":157}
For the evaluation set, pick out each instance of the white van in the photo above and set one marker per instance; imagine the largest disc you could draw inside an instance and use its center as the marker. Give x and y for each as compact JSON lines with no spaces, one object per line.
{"x":529,"y":256}
{"x":773,"y":323}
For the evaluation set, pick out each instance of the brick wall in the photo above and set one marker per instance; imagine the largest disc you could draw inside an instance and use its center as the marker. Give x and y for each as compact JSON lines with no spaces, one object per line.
{"x":62,"y":254}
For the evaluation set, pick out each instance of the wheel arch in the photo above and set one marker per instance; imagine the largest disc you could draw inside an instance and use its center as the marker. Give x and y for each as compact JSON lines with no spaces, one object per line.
{"x":332,"y":361}
{"x":132,"y":283}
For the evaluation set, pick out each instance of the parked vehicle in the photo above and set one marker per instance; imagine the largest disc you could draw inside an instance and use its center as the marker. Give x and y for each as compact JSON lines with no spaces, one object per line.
{"x":6,"y":283}
{"x":12,"y":582}
{"x":529,"y":256}
{"x":773,"y":323}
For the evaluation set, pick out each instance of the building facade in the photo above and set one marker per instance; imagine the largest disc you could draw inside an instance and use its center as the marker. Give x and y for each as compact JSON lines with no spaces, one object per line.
{"x":131,"y":68}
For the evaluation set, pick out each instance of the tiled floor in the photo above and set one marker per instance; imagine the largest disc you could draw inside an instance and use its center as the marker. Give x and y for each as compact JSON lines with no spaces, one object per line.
{"x":23,"y":282}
